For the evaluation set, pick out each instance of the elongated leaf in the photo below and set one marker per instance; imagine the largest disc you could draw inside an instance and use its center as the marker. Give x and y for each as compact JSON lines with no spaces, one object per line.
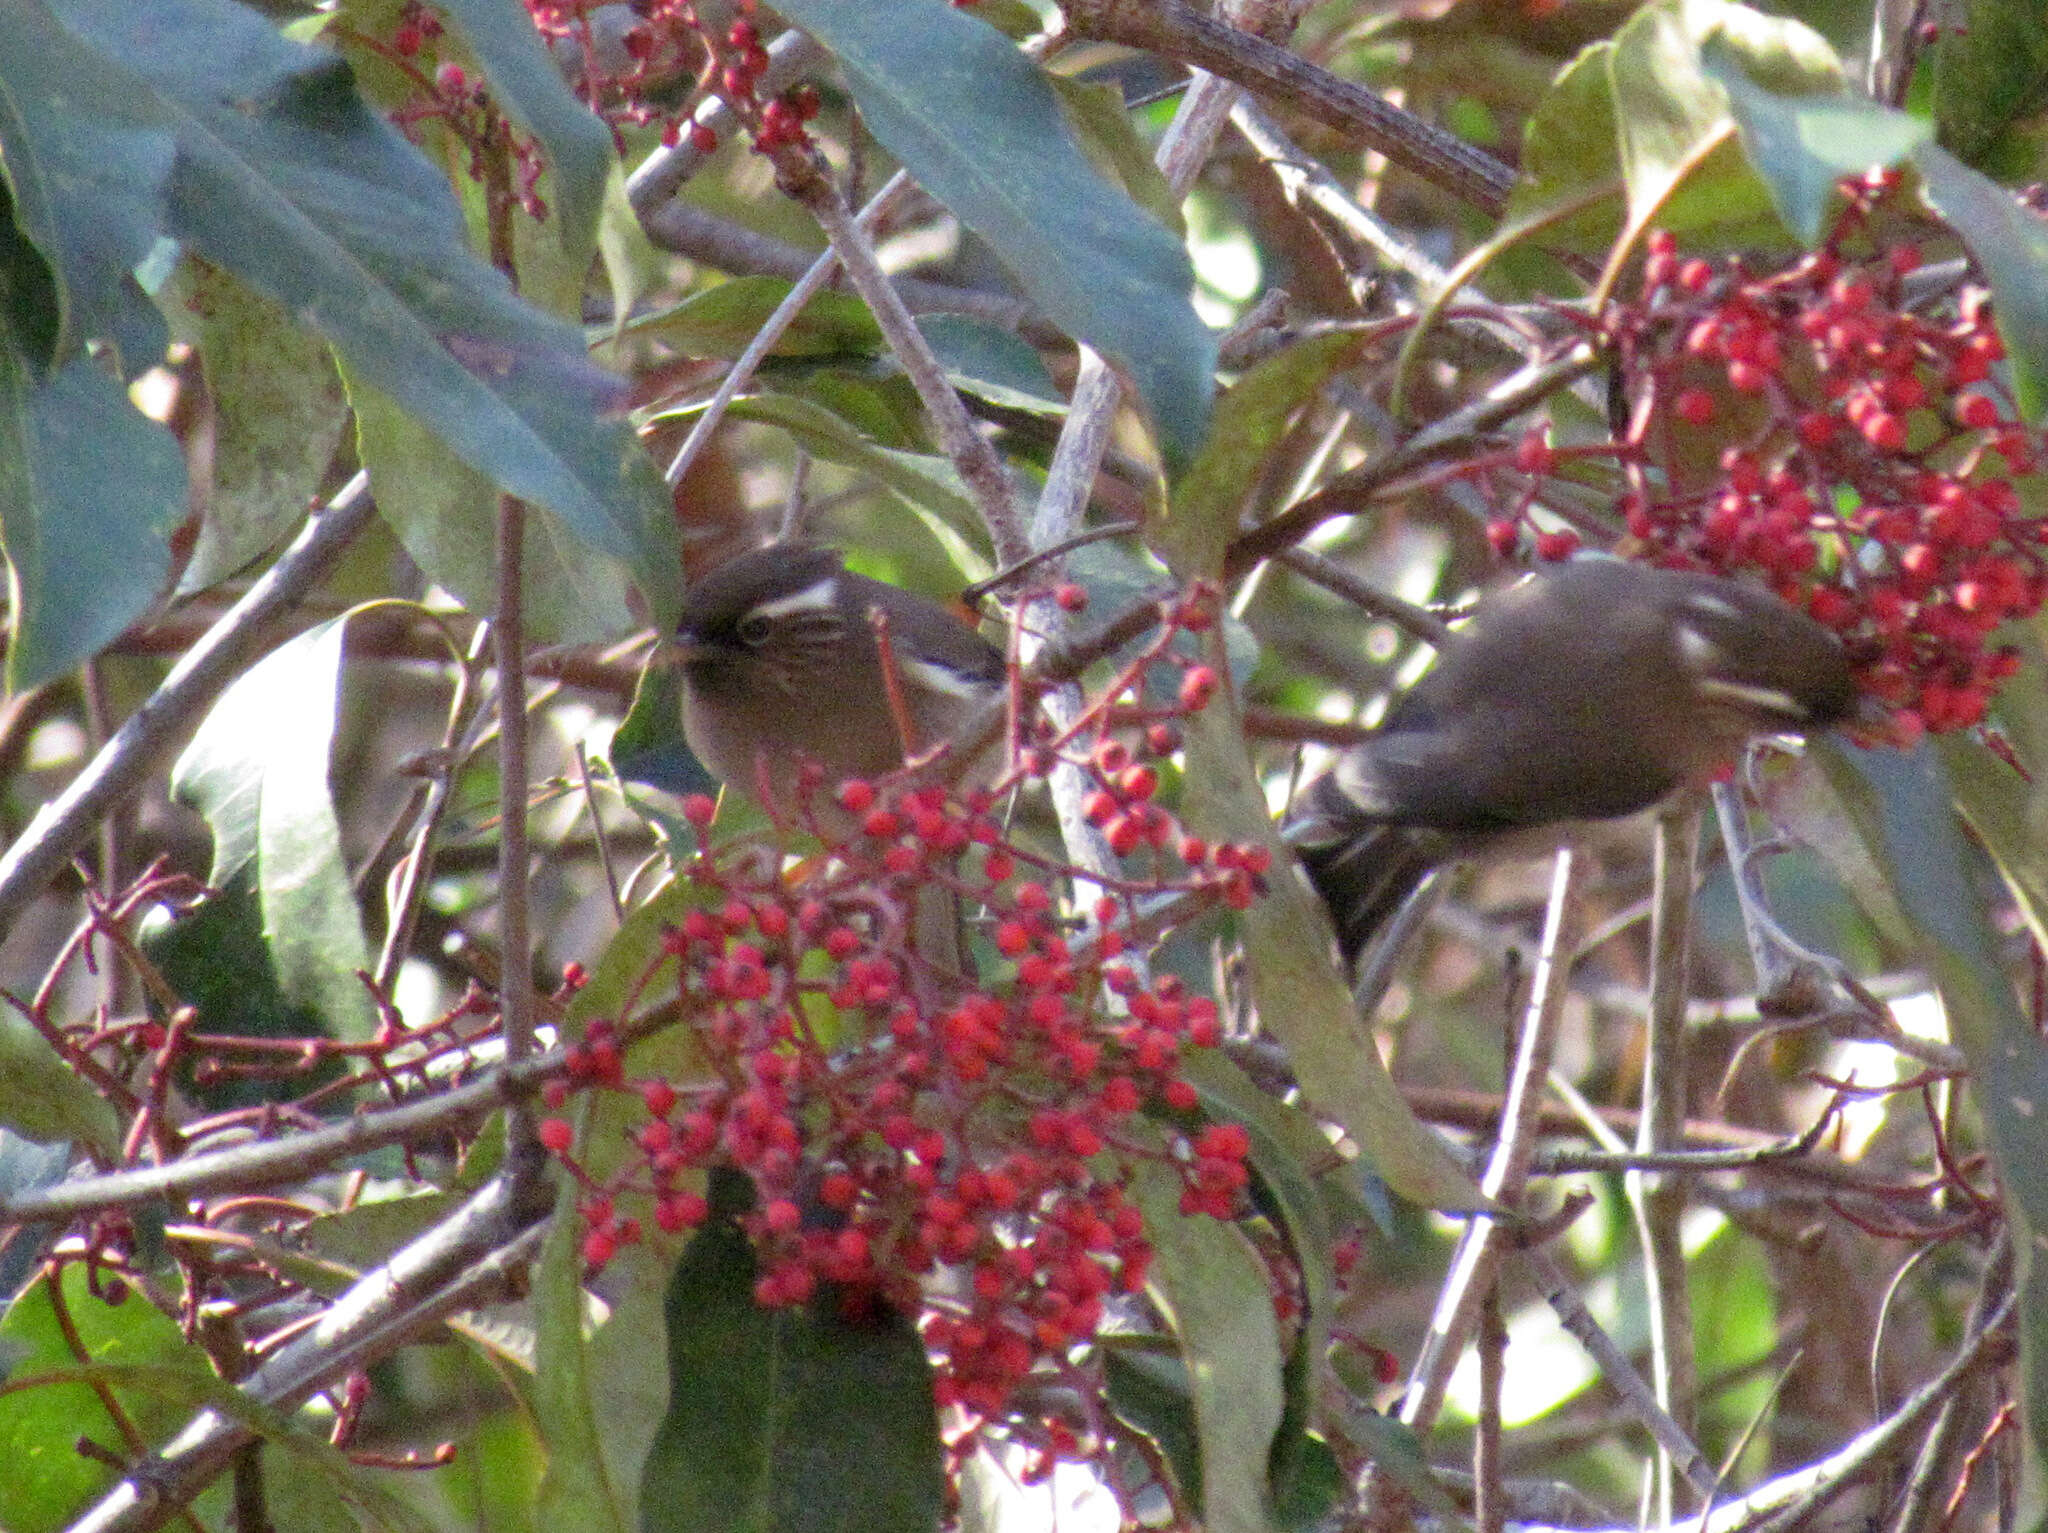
{"x":257,"y":770}
{"x":286,"y":178}
{"x":2011,"y":243}
{"x":446,"y":514}
{"x":1250,"y":418}
{"x":89,"y":183}
{"x":980,"y":128}
{"x":786,"y":1421}
{"x":1217,"y":1295}
{"x":89,"y":487}
{"x":1301,"y":998}
{"x":575,"y":1492}
{"x":722,"y":320}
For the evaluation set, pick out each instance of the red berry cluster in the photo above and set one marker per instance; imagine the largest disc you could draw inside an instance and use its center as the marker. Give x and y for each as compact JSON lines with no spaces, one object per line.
{"x":448,"y":95}
{"x":1855,"y":445}
{"x":631,"y":82}
{"x":963,"y":1149}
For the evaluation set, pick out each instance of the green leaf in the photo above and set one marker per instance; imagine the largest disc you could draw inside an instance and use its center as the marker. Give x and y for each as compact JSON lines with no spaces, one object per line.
{"x":48,"y":1482}
{"x":925,"y":483}
{"x":815,"y":1420}
{"x":979,"y":126}
{"x":278,"y":414}
{"x":1571,"y":153}
{"x":1301,"y":997}
{"x":42,"y":1097}
{"x":1103,"y":125}
{"x":89,"y":487}
{"x":1251,"y":418}
{"x":2010,"y":242}
{"x":446,"y":515}
{"x":723,"y":320}
{"x":1990,"y":69}
{"x":526,"y":82}
{"x":215,"y":959}
{"x":285,"y":177}
{"x":1217,"y":1296}
{"x":257,"y":770}
{"x":1803,"y":145}
{"x":992,"y":363}
{"x":575,"y":1491}
{"x":1672,"y":118}
{"x":88,"y":177}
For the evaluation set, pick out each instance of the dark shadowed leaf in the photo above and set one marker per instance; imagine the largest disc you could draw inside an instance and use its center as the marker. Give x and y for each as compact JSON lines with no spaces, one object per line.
{"x":88,"y":180}
{"x":978,"y":125}
{"x":818,"y":1420}
{"x":89,"y":487}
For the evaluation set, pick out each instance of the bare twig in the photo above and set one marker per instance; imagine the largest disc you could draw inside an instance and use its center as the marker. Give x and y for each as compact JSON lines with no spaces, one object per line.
{"x":1350,"y":492}
{"x":1477,"y":1258}
{"x":987,"y":480}
{"x":269,"y":1162}
{"x":742,"y":370}
{"x":1179,"y":31}
{"x":464,"y":1260}
{"x":1659,"y":1201}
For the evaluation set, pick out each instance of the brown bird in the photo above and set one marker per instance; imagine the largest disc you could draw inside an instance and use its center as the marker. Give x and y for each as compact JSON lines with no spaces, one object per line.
{"x":781,"y":666}
{"x":1588,"y":691}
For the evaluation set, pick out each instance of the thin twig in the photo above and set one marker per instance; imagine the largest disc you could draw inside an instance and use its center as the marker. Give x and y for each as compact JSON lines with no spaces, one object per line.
{"x":1659,"y":1201}
{"x":742,"y":370}
{"x":461,"y":1262}
{"x":987,"y":480}
{"x":1351,"y":492}
{"x":1477,"y":1258}
{"x":1178,"y":31}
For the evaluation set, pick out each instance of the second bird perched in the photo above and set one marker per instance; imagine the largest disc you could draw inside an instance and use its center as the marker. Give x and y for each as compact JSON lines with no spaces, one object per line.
{"x":1588,"y":691}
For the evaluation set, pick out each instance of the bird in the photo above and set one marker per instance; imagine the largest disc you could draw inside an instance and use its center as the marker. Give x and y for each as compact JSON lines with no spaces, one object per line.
{"x":781,"y":667}
{"x":784,"y":671}
{"x":1588,"y":691}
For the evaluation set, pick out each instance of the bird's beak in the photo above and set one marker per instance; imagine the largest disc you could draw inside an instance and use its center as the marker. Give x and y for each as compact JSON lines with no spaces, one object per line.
{"x":677,"y":650}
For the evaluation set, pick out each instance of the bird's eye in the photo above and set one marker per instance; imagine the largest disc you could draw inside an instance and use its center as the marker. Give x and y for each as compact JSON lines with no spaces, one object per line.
{"x":754,"y":628}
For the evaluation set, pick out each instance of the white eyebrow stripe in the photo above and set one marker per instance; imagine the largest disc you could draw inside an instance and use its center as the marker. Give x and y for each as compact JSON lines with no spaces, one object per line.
{"x":1763,"y":699}
{"x":1700,"y":653}
{"x":1713,"y":606}
{"x":816,"y":597}
{"x":943,"y":679}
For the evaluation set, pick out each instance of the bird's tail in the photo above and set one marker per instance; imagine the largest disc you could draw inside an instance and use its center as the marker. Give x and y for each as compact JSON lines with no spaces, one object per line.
{"x":1363,"y":871}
